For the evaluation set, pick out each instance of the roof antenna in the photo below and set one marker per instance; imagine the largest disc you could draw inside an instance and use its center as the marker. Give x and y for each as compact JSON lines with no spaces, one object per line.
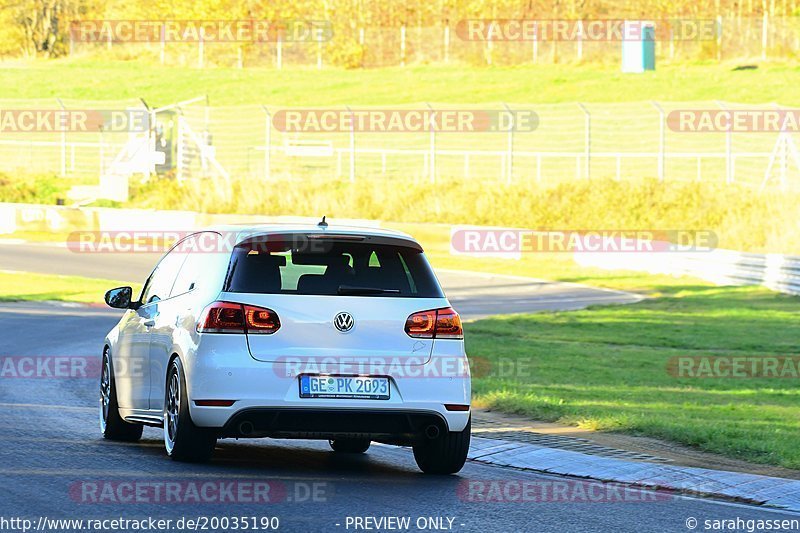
{"x":322,"y":223}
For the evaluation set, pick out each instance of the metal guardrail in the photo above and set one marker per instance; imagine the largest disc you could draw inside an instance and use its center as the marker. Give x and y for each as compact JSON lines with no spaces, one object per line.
{"x":724,"y":267}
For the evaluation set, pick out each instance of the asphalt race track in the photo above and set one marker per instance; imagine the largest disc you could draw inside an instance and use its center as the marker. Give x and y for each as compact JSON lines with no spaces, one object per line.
{"x":55,"y":464}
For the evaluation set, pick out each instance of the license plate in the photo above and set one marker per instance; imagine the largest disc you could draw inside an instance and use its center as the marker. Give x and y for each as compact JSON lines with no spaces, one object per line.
{"x":365,"y":388}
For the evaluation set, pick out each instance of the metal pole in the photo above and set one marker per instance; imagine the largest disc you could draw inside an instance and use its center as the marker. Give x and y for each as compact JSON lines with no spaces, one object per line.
{"x":280,"y":52}
{"x":352,"y":146}
{"x":662,"y":141}
{"x":151,"y":138}
{"x":432,"y":158}
{"x":267,"y":144}
{"x":447,"y":44}
{"x":587,"y":141}
{"x":200,"y":52}
{"x":580,"y":40}
{"x":403,"y":45}
{"x":63,"y":142}
{"x":728,"y":151}
{"x":535,"y":42}
{"x":785,"y":145}
{"x":489,"y":49}
{"x":361,"y":45}
{"x":102,"y":154}
{"x":510,"y":146}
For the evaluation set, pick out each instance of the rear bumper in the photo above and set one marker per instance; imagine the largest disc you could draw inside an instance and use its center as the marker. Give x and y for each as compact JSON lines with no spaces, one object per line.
{"x":267,"y":395}
{"x":375,"y":424}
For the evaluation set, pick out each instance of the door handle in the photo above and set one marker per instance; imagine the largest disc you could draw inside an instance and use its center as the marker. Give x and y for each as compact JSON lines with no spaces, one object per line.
{"x":149,"y":323}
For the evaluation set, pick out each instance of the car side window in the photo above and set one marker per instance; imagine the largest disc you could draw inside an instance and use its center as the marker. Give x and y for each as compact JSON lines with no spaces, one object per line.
{"x":193,"y":249}
{"x":160,"y":284}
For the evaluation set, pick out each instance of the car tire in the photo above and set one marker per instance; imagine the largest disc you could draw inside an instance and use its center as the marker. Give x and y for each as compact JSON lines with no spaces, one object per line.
{"x":349,"y":445}
{"x":445,"y":454}
{"x":112,"y":425}
{"x":183,"y":440}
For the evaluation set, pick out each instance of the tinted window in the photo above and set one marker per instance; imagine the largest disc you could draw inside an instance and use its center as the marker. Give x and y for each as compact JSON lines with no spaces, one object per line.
{"x":159,"y":286}
{"x":194,"y":250}
{"x":331,"y":268}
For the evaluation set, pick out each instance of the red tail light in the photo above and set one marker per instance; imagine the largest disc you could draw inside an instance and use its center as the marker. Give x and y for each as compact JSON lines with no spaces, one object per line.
{"x":435,"y":324}
{"x":261,"y":320}
{"x":227,"y":317}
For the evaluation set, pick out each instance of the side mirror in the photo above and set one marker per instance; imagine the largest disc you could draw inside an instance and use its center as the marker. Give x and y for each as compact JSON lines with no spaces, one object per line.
{"x":119,"y":298}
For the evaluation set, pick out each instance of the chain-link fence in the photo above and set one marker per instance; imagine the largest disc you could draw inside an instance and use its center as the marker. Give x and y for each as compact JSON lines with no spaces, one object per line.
{"x":193,"y":140}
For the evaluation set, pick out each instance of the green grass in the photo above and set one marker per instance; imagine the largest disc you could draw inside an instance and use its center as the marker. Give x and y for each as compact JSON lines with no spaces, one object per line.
{"x":606,"y":369}
{"x":160,"y":85}
{"x":26,"y":286}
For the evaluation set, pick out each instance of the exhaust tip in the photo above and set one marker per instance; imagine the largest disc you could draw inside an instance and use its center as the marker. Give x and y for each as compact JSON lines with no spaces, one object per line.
{"x":246,"y":428}
{"x":432,"y":431}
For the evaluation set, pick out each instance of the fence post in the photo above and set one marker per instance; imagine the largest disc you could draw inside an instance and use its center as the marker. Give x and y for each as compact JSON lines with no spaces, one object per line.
{"x":510,"y":146}
{"x":432,"y":158}
{"x":580,"y":41}
{"x":662,"y":141}
{"x":280,"y":52}
{"x":719,"y":37}
{"x":200,"y":52}
{"x":728,"y":151}
{"x":319,"y":53}
{"x":267,"y":144}
{"x":63,"y":142}
{"x":489,"y":49}
{"x":587,"y":140}
{"x":671,"y":44}
{"x":535,"y":42}
{"x":102,"y":153}
{"x":764,"y":38}
{"x":352,"y":146}
{"x":163,"y":52}
{"x":403,"y":45}
{"x":361,"y":45}
{"x":447,"y":44}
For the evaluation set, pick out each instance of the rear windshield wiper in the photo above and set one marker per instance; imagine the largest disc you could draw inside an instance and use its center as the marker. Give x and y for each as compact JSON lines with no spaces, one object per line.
{"x":350,"y":289}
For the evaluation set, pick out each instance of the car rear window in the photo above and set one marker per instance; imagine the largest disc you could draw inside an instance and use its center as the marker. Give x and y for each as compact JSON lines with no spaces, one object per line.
{"x":331,"y":267}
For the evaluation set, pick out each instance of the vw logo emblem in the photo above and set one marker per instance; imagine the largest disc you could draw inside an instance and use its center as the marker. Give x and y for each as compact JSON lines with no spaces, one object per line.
{"x":343,"y":322}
